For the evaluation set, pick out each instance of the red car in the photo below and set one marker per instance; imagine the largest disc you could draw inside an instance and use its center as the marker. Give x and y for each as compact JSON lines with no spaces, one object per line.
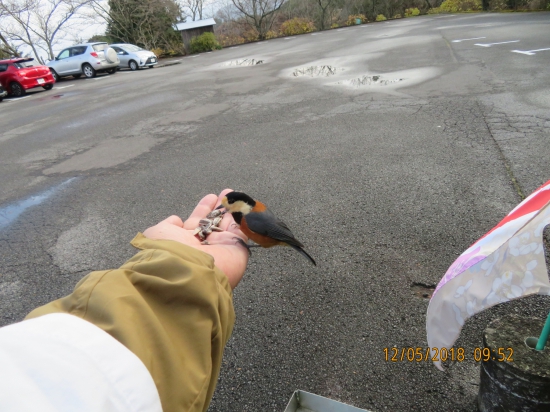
{"x":18,"y":75}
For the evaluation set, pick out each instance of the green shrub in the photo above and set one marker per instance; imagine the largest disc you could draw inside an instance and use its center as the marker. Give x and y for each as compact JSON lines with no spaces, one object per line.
{"x":334,"y":26}
{"x":454,"y":6}
{"x":205,"y":42}
{"x":397,"y":16}
{"x":381,"y":17}
{"x":412,"y":12}
{"x":297,"y":25}
{"x":352,"y":19}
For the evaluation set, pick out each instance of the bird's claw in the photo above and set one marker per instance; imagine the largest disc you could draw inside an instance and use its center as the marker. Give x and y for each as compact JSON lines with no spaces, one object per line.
{"x":243,"y":243}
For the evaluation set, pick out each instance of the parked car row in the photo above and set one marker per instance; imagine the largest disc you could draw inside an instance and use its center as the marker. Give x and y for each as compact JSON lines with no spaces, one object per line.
{"x":18,"y":75}
{"x":90,"y":58}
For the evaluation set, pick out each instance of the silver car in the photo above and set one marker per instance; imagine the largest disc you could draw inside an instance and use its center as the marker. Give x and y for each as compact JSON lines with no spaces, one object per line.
{"x":134,"y":57}
{"x":84,"y":59}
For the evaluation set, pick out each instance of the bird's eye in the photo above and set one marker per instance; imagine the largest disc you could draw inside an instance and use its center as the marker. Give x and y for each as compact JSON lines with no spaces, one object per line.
{"x":230,"y":201}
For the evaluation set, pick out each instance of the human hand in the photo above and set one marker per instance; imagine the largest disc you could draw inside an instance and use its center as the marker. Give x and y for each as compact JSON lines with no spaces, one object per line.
{"x":228,"y":255}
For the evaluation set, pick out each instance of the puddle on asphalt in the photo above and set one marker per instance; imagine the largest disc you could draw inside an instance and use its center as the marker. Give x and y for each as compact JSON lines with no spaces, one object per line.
{"x":10,"y":213}
{"x":370,"y":81}
{"x":243,"y":62}
{"x":315,"y":71}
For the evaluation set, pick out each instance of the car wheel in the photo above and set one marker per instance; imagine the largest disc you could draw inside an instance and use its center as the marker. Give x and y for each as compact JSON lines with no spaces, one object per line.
{"x":133,"y":65}
{"x":111,"y":71}
{"x":55,"y":75}
{"x":88,"y":71}
{"x":77,"y":76}
{"x":48,"y":87}
{"x":16,"y":89}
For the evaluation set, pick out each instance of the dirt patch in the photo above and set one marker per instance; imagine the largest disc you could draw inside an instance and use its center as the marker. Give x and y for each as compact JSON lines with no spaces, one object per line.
{"x":372,"y":80}
{"x":315,"y":71}
{"x":244,"y":62}
{"x":422,"y":290}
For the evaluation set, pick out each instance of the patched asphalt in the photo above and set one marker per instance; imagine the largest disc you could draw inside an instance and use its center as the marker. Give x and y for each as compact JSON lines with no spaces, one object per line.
{"x":386,"y":183}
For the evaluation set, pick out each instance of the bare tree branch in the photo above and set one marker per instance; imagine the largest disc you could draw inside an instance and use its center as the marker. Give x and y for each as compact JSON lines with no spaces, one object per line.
{"x":259,"y":14}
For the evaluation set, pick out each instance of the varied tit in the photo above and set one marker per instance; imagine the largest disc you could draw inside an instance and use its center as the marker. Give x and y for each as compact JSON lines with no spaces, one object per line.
{"x":259,"y":224}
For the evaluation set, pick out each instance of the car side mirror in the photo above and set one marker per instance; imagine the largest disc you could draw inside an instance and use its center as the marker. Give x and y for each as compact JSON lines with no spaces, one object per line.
{"x":57,"y":58}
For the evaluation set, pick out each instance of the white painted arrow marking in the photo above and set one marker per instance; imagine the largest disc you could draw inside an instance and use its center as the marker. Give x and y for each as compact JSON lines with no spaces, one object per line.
{"x":492,"y":44}
{"x":473,"y":38}
{"x":528,"y":52}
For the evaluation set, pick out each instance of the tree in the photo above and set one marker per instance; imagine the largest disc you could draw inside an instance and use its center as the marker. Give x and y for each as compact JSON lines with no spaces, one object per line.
{"x":325,"y":6}
{"x":193,"y":8}
{"x":39,"y":24}
{"x":147,"y":23}
{"x":259,"y":14}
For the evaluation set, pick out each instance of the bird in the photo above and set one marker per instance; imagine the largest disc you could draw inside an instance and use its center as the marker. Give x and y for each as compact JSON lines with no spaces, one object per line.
{"x":258,"y":223}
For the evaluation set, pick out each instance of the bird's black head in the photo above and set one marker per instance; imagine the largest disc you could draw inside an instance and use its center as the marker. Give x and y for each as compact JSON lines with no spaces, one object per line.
{"x":234,"y":197}
{"x":237,"y":202}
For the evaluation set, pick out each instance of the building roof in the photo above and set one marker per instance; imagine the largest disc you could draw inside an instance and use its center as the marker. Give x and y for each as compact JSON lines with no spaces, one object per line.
{"x":195,"y":24}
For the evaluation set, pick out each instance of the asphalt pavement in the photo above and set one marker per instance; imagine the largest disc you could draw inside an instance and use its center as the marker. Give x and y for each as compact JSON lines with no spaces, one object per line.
{"x":388,"y":148}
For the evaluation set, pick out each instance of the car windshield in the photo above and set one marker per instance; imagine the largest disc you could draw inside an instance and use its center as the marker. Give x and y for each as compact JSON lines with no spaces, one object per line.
{"x":132,"y":48}
{"x":99,"y":47}
{"x":22,"y":65}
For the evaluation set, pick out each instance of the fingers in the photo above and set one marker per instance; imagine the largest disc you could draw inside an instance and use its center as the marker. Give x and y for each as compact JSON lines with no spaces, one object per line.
{"x":173,"y":220}
{"x":204,"y":207}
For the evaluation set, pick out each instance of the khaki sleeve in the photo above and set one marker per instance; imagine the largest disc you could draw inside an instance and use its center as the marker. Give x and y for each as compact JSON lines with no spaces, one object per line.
{"x":171,"y":307}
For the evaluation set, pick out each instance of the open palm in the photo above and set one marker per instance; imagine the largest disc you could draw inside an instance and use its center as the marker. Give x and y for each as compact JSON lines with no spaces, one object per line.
{"x":228,"y":255}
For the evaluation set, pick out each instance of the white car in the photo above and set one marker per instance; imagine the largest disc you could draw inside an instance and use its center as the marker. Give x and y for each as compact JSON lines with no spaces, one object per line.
{"x":134,"y":57}
{"x":84,"y":59}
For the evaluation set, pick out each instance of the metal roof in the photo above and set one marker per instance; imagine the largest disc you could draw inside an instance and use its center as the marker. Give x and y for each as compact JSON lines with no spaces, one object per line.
{"x":195,"y":24}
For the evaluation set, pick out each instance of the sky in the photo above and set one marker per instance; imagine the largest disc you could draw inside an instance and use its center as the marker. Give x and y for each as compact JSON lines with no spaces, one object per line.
{"x":87,"y":28}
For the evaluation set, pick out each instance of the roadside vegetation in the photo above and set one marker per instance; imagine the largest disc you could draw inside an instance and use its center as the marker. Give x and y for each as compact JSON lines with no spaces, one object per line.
{"x":303,"y":16}
{"x":41,"y":25}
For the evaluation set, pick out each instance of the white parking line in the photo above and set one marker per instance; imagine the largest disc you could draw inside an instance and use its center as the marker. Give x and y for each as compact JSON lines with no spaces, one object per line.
{"x":15,"y":99}
{"x":64,"y":87}
{"x":97,"y":78}
{"x":528,"y":52}
{"x":473,"y":38}
{"x":174,"y":61}
{"x":340,"y":29}
{"x":492,"y":44}
{"x":315,"y":34}
{"x":289,"y":38}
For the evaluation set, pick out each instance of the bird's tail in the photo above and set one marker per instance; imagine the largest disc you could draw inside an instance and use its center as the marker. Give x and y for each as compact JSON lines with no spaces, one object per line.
{"x":303,"y":252}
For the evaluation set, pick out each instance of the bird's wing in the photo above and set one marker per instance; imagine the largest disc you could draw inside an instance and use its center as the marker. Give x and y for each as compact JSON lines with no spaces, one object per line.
{"x":267,"y":224}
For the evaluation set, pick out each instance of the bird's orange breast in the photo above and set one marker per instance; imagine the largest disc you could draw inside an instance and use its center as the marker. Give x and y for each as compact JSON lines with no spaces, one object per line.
{"x":264,"y":241}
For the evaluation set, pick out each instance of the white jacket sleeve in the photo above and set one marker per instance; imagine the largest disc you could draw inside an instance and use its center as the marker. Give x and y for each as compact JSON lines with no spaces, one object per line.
{"x":59,"y":362}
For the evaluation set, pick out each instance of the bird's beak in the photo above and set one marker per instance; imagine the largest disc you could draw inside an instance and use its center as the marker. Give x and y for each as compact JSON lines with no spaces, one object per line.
{"x":219,"y":207}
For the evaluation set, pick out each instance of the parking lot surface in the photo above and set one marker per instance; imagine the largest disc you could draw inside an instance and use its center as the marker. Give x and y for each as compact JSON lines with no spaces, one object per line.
{"x":388,"y":148}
